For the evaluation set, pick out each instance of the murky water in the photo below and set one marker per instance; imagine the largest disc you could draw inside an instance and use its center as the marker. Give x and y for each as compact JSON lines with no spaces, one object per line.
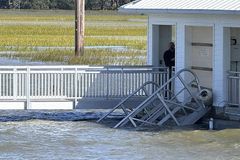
{"x":67,"y":138}
{"x":113,"y":48}
{"x":37,"y":139}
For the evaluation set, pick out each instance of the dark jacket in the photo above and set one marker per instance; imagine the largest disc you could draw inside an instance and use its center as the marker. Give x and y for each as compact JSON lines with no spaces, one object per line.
{"x":169,"y":58}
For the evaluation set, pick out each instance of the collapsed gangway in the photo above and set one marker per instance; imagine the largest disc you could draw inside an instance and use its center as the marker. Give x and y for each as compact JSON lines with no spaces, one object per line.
{"x":161,"y":106}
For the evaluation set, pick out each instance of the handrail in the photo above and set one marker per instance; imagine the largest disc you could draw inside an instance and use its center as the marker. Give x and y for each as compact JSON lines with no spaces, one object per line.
{"x":147,"y":113}
{"x":102,"y":68}
{"x":76,"y":66}
{"x":79,"y":69}
{"x":177,"y":76}
{"x":75,"y":82}
{"x":130,"y":96}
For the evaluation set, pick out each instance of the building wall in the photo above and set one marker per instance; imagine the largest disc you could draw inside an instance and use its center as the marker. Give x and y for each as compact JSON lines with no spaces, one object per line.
{"x":220,"y":37}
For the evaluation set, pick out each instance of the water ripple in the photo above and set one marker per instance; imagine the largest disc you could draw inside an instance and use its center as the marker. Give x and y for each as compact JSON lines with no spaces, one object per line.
{"x":60,"y":136}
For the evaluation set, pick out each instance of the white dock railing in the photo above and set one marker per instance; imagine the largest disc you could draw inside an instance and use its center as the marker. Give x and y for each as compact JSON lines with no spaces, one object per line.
{"x":234,"y":88}
{"x":27,"y":83}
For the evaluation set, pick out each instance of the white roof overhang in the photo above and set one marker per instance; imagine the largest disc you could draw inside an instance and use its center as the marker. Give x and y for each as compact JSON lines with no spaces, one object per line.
{"x":231,"y":7}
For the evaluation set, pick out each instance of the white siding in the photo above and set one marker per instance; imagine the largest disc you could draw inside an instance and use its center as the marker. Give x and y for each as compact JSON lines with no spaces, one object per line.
{"x":221,"y":58}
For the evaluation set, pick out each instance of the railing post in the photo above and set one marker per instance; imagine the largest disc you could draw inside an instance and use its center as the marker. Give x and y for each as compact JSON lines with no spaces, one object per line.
{"x":107,"y":83}
{"x":229,"y":89}
{"x":238,"y":89}
{"x":15,"y":83}
{"x":28,"y":88}
{"x":76,"y":89}
{"x":122,"y":86}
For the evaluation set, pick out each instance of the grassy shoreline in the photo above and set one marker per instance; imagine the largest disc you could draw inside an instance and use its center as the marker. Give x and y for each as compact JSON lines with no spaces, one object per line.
{"x":91,"y":57}
{"x":21,"y":31}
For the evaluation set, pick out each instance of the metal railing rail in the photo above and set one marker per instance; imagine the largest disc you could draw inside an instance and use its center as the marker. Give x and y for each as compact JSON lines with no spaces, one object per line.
{"x":27,"y":83}
{"x":167,"y":107}
{"x":148,"y":88}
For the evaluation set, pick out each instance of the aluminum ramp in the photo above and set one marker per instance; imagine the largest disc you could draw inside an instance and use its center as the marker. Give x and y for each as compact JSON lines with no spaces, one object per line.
{"x":159,"y":109}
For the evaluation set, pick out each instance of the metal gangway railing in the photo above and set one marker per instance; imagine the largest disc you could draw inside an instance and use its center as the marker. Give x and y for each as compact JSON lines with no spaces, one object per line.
{"x":46,"y":83}
{"x":162,"y":105}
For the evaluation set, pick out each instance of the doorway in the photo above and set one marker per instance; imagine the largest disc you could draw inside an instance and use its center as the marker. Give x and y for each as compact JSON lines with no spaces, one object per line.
{"x":235,"y":49}
{"x":162,"y":35}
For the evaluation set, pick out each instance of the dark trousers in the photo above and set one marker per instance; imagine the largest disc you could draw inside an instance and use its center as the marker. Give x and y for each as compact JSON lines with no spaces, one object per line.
{"x":170,"y":84}
{"x":170,"y":76}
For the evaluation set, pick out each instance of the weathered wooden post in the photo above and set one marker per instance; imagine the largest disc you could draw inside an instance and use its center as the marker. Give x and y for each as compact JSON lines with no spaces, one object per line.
{"x":79,"y":27}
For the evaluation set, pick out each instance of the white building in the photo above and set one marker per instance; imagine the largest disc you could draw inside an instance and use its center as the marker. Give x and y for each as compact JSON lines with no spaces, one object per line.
{"x":206,"y":33}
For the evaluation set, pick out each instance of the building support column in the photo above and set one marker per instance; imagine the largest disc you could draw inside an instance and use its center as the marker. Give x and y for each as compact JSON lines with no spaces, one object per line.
{"x":149,"y":44}
{"x":221,"y":64}
{"x":180,"y":56}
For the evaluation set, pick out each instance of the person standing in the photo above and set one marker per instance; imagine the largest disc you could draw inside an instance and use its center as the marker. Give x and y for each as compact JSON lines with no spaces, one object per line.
{"x":169,"y":56}
{"x":169,"y":59}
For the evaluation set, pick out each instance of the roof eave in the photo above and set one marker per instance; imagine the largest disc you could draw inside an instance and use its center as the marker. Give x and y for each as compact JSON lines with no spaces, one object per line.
{"x":176,"y":11}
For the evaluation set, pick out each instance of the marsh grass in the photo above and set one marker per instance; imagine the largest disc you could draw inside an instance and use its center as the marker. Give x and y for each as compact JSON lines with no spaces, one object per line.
{"x":91,"y":57}
{"x":21,"y":31}
{"x":66,"y":30}
{"x":64,"y":15}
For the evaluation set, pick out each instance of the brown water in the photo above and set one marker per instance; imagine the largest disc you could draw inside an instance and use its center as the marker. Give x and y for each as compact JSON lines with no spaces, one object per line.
{"x":37,"y":139}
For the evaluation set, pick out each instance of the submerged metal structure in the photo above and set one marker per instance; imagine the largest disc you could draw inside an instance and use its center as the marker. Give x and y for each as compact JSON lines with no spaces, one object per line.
{"x":162,"y":106}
